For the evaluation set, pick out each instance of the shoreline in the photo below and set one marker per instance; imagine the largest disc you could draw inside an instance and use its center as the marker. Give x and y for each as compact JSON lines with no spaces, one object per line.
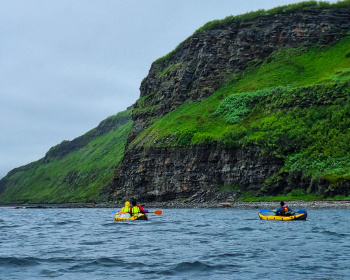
{"x":294,"y":204}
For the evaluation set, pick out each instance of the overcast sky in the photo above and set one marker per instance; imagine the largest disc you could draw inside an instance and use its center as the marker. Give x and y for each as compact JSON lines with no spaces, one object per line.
{"x":67,"y":65}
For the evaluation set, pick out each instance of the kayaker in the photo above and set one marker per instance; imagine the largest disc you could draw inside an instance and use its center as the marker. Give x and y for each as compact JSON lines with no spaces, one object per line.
{"x":126,"y":207}
{"x":137,"y":209}
{"x":283,"y":210}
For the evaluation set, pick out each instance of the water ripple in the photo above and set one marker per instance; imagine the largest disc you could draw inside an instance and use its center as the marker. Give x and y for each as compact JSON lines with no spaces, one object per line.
{"x":21,"y":262}
{"x":246,"y":229}
{"x":179,"y":244}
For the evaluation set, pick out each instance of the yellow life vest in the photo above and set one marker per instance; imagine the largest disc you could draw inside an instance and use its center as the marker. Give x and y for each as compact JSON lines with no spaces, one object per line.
{"x":126,"y":209}
{"x":136,"y":210}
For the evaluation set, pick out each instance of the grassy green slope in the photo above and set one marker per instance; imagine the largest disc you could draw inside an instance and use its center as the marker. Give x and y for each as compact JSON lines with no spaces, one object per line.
{"x":79,"y":176}
{"x":295,"y":104}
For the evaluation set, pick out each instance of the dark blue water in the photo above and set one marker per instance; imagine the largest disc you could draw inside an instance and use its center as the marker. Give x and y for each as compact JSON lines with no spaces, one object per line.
{"x":179,"y":244}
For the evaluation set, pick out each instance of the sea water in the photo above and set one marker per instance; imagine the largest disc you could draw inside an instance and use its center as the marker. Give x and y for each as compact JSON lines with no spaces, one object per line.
{"x":179,"y":244}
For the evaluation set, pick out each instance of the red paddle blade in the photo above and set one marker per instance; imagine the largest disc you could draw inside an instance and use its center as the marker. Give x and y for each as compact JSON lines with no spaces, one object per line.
{"x":158,"y":212}
{"x":122,"y":212}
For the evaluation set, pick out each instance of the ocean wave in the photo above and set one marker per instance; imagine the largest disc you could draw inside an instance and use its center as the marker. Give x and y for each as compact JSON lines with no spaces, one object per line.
{"x":194,"y":266}
{"x":92,"y":242}
{"x":192,"y":269}
{"x":22,"y":262}
{"x":246,"y":229}
{"x":62,"y":223}
{"x":333,"y":233}
{"x":101,"y":249}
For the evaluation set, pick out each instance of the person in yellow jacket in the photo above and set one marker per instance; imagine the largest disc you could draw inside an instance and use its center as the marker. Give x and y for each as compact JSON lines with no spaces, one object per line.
{"x":126,"y":207}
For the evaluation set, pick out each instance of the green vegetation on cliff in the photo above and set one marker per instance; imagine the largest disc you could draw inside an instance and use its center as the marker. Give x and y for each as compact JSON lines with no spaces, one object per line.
{"x":73,"y":171}
{"x":295,"y":105}
{"x":286,"y":9}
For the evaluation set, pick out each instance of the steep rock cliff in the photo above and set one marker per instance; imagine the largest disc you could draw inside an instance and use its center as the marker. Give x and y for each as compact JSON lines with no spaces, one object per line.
{"x":207,"y":59}
{"x":161,"y":174}
{"x":194,"y":71}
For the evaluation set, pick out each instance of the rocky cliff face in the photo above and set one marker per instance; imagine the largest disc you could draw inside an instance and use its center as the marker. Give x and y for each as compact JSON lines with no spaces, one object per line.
{"x":206,"y":59}
{"x":193,"y":72}
{"x":161,"y":174}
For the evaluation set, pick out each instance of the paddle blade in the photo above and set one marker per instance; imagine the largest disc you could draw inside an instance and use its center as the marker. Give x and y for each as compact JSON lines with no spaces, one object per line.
{"x":302,"y":211}
{"x":265,"y":210}
{"x":158,"y":212}
{"x":120,"y":212}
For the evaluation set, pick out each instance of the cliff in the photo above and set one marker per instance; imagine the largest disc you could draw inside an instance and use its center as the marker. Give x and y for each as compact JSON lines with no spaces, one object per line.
{"x":191,"y":137}
{"x":73,"y":171}
{"x":209,"y":58}
{"x":247,"y":107}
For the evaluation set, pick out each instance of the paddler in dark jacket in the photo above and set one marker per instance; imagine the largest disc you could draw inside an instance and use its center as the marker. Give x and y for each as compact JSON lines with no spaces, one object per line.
{"x":137,"y":209}
{"x":283,"y":210}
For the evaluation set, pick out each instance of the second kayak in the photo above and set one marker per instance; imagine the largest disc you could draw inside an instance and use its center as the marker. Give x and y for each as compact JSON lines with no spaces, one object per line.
{"x":272,"y":216}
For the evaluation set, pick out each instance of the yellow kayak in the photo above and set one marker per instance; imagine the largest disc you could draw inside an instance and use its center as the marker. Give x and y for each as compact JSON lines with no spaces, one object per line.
{"x":128,"y":217}
{"x":272,"y":216}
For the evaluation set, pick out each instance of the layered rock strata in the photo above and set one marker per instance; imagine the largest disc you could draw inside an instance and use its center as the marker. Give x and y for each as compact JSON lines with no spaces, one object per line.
{"x":161,"y":174}
{"x":207,"y":59}
{"x":193,"y":72}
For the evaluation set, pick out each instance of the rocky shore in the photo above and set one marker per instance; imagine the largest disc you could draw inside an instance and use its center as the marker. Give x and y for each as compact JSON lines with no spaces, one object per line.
{"x":296,"y":204}
{"x":299,"y":204}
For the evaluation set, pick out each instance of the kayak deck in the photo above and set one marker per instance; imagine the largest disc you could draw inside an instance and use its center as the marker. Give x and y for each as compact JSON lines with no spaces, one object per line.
{"x":128,"y":217}
{"x":273,"y":216}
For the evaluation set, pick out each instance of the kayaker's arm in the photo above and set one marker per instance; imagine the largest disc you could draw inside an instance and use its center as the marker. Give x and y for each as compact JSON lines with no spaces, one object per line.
{"x":142,"y":210}
{"x":279,"y":211}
